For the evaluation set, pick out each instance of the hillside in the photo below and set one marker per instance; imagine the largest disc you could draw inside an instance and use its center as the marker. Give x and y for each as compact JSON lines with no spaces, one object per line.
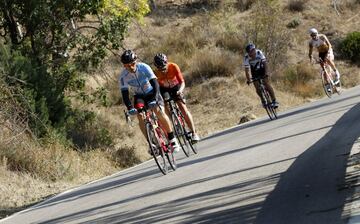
{"x":206,"y":39}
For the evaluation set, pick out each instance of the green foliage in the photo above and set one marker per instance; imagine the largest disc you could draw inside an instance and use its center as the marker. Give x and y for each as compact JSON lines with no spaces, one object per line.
{"x":350,"y":47}
{"x":86,"y":132}
{"x":293,"y":23}
{"x":52,"y":43}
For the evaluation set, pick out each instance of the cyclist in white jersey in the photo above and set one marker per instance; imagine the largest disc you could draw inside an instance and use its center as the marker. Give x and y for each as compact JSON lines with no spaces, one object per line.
{"x":323,"y":45}
{"x":140,"y":77}
{"x":256,"y":67}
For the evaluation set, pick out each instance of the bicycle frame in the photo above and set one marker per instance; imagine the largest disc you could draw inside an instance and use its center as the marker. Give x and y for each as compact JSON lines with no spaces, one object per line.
{"x":327,"y":78}
{"x":150,"y":117}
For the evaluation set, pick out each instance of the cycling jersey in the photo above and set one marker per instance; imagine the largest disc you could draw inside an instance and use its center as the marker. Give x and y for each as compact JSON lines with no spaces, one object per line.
{"x":257,"y":64}
{"x":139,"y":80}
{"x":320,"y":43}
{"x":171,"y":77}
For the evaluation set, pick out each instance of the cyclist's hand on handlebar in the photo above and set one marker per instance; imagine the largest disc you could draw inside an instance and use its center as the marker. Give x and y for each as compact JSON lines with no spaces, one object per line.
{"x":132,"y":111}
{"x":152,"y":104}
{"x":179,"y":93}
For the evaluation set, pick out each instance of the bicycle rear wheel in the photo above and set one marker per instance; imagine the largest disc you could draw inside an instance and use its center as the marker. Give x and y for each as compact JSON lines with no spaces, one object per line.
{"x":188,"y":134}
{"x":180,"y":133}
{"x":156,"y":151}
{"x":166,"y":149}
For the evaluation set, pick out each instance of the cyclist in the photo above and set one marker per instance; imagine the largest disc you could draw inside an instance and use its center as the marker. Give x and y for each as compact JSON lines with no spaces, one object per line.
{"x":323,"y":45}
{"x":255,"y":63}
{"x":143,"y":81}
{"x":172,"y":82}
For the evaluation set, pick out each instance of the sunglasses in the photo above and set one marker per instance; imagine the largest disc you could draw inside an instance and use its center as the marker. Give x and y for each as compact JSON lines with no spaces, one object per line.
{"x":129,"y":64}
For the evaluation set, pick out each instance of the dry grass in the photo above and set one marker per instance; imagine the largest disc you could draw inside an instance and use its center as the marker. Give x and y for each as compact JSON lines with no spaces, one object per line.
{"x":208,"y":46}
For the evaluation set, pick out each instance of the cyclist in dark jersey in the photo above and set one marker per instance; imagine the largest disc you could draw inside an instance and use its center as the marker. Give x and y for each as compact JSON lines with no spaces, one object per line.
{"x":256,"y":67}
{"x":140,"y":77}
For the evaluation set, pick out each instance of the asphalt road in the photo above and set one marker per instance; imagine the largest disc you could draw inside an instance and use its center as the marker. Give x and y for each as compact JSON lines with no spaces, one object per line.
{"x":291,"y":170}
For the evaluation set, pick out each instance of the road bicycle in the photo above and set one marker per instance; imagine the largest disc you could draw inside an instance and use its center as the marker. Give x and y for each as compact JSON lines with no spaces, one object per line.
{"x":266,"y":99}
{"x":181,"y":129}
{"x":327,"y":78}
{"x":157,"y":140}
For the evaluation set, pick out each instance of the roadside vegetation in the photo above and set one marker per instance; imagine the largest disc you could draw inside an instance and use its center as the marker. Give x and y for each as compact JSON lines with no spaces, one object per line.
{"x":61,"y":119}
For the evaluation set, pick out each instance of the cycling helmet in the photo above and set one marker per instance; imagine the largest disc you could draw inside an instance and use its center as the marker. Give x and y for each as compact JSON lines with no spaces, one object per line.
{"x":249,"y":47}
{"x":313,"y":31}
{"x":160,"y":60}
{"x":128,"y":57}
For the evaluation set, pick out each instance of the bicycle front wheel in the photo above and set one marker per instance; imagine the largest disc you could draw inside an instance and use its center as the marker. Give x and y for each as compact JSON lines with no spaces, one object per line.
{"x":325,"y":83}
{"x":166,"y":149}
{"x":155,"y":148}
{"x":269,"y":109}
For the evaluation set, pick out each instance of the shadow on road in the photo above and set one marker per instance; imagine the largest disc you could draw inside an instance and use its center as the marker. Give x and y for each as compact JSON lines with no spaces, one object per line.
{"x":309,"y":191}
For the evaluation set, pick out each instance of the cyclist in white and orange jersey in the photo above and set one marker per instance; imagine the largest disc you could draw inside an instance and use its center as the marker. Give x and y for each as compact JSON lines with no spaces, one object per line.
{"x":172,"y":82}
{"x":324,"y":47}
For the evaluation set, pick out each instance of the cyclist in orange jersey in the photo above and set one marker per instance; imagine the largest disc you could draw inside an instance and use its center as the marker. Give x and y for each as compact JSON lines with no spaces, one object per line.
{"x":171,"y":81}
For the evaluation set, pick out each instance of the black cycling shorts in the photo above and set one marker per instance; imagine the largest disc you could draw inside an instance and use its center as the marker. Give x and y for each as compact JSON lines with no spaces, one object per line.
{"x":323,"y":55}
{"x":141,"y":100}
{"x":172,"y":92}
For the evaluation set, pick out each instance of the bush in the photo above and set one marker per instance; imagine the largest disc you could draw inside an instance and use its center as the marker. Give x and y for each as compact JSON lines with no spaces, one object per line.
{"x":208,"y":63}
{"x":350,"y":47}
{"x":244,"y":5}
{"x":293,"y":23}
{"x":296,"y":5}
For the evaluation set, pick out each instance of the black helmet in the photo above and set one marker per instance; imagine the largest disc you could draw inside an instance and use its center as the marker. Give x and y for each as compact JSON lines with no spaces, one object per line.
{"x":249,"y":47}
{"x":128,"y":57}
{"x":160,"y":60}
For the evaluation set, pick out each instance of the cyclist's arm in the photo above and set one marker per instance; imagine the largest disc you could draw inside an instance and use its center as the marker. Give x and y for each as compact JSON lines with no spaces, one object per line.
{"x":182,"y":87}
{"x":326,"y":41}
{"x":155,"y":84}
{"x":124,"y":88}
{"x":265,"y":68}
{"x":310,"y":50}
{"x":126,"y":98}
{"x":247,"y":73}
{"x":180,"y":78}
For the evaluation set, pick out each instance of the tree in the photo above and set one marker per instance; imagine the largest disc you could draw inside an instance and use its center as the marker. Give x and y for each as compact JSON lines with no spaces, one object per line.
{"x":53,"y":42}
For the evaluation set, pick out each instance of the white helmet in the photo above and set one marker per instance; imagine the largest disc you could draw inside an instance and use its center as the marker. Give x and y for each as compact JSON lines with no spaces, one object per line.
{"x":313,"y":31}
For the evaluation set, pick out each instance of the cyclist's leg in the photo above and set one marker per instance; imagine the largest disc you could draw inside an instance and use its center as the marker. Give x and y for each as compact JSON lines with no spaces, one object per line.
{"x":269,"y":88}
{"x":330,"y":61}
{"x":139,"y":103}
{"x":324,"y":58}
{"x":164,"y":91}
{"x":257,"y":88}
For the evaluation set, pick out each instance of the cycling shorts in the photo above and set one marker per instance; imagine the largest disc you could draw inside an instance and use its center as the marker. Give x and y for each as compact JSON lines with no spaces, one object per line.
{"x":173,"y":93}
{"x":141,"y":100}
{"x":327,"y":55}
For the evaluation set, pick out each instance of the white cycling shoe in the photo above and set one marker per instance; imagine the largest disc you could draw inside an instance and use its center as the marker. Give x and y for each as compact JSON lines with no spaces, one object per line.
{"x":195,"y":138}
{"x":174,"y":144}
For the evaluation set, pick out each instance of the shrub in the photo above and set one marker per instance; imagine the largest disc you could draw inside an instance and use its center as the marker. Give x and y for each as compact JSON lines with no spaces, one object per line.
{"x":244,"y":5}
{"x":293,"y":23}
{"x":296,"y":5}
{"x":268,"y":31}
{"x":350,"y":47}
{"x":211,"y":62}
